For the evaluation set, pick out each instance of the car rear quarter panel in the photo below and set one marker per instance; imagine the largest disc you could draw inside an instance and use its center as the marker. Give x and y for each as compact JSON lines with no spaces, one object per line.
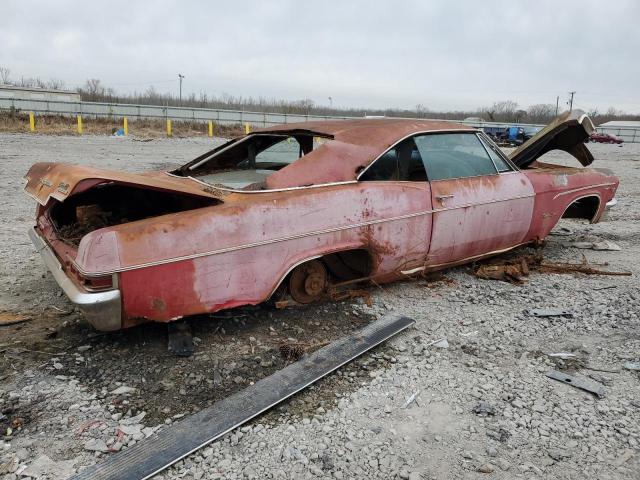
{"x":237,"y":253}
{"x":558,"y":187}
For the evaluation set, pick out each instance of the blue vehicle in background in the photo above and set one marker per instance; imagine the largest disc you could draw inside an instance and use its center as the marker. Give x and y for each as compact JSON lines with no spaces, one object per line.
{"x":511,"y":136}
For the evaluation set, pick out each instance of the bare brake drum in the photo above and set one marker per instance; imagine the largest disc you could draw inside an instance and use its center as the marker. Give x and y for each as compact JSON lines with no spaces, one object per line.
{"x":308,"y":282}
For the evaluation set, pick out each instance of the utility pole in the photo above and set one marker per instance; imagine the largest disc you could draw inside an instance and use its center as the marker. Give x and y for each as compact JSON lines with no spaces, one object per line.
{"x":557,"y":104}
{"x":571,"y":100}
{"x":180,"y":76}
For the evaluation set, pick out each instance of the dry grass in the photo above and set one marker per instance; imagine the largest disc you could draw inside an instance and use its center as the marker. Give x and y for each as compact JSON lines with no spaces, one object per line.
{"x":60,"y":125}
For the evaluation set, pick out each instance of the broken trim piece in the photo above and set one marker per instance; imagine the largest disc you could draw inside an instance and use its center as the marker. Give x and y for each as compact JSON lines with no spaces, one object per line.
{"x":587,"y":385}
{"x":151,"y":456}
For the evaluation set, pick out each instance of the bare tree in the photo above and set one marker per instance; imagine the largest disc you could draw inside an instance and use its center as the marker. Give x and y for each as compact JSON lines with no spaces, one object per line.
{"x":4,"y":75}
{"x":541,"y":113}
{"x":421,"y":110}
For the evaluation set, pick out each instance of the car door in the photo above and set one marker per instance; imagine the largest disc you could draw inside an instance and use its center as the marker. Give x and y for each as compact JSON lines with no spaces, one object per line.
{"x":481,"y":203}
{"x":396,"y":194}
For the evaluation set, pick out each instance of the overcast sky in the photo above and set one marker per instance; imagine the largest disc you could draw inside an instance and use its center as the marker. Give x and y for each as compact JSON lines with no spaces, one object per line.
{"x":442,"y":54}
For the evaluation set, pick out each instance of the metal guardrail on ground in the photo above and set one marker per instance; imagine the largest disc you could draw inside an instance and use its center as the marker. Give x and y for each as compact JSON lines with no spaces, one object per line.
{"x":219,"y":116}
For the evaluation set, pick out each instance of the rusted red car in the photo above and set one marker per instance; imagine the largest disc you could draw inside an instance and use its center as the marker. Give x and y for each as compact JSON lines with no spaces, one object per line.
{"x":301,"y":207}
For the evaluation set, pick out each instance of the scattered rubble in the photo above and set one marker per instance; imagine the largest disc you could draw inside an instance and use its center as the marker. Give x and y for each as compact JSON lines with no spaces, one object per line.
{"x":342,"y":427}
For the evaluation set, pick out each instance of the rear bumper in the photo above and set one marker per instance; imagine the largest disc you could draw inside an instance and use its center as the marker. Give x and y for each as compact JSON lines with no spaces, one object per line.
{"x":103,"y":310}
{"x":611,"y":203}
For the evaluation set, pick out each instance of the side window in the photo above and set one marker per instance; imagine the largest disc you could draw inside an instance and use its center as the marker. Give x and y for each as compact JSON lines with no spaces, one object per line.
{"x":286,"y":151}
{"x":454,"y":155}
{"x":499,"y":162}
{"x":402,"y":162}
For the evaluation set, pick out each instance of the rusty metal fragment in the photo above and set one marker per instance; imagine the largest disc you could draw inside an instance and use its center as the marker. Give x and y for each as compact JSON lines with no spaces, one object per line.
{"x":587,"y":385}
{"x":516,"y":270}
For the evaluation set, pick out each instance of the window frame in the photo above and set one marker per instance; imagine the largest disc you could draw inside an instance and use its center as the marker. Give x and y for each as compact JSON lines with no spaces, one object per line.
{"x":487,"y":142}
{"x":379,"y":158}
{"x":480,"y":134}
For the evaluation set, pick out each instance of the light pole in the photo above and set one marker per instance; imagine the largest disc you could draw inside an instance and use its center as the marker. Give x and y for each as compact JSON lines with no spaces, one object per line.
{"x":180,"y":76}
{"x":330,"y":102}
{"x":571,"y":100}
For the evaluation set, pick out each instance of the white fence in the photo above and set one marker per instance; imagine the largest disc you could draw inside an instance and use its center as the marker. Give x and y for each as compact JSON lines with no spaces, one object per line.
{"x":256,"y":119}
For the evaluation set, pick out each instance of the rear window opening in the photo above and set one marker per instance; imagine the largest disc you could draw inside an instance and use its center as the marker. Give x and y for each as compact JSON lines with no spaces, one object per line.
{"x":245,"y":164}
{"x":112,"y":204}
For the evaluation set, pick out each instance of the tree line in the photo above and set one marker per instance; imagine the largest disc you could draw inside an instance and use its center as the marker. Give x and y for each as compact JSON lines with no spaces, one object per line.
{"x":507,"y":111}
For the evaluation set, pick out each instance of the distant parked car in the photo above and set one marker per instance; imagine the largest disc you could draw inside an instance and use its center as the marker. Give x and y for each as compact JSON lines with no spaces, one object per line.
{"x":604,"y":138}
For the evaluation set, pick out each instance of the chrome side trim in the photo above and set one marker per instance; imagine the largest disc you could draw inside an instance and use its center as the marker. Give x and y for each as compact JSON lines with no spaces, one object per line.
{"x":101,"y":309}
{"x":466,"y":259}
{"x":232,"y":190}
{"x":567,"y":192}
{"x":289,"y":237}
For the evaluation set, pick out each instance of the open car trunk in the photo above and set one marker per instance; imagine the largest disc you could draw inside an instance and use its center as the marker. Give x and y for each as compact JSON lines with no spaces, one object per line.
{"x":568,"y":132}
{"x":110,"y":204}
{"x":78,"y":200}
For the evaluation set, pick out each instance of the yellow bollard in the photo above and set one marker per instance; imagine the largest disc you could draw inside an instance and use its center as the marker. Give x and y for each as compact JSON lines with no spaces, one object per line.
{"x":168,"y":127}
{"x":80,"y":124}
{"x":32,"y":122}
{"x":125,"y":126}
{"x":210,"y":128}
{"x":246,"y":129}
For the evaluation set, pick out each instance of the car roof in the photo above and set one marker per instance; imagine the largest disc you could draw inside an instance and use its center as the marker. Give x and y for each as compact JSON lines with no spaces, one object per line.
{"x":355,"y":144}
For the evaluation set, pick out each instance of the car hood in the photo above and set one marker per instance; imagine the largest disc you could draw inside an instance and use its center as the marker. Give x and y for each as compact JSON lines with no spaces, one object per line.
{"x":60,"y":180}
{"x":567,"y":132}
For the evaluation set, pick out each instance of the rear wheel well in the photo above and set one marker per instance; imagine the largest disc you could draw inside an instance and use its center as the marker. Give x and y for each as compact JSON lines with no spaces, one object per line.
{"x":584,"y":207}
{"x":341,"y":266}
{"x":348,"y":264}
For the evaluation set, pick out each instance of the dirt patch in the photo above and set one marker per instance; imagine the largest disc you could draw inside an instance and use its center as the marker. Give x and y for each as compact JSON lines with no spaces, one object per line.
{"x":232,"y":351}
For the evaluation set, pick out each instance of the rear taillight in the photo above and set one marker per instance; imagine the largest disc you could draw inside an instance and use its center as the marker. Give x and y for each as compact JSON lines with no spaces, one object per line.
{"x":98,"y":283}
{"x":103,"y":282}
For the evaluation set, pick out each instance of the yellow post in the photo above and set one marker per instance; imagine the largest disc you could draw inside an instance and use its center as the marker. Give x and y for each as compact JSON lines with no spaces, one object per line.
{"x":32,"y":122}
{"x":246,"y":129}
{"x":210,"y":128}
{"x":125,"y":126}
{"x":80,"y":124}
{"x":168,"y":127}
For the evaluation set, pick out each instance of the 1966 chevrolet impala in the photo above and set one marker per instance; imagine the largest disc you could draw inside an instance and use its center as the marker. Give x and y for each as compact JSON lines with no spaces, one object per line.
{"x":302,"y":206}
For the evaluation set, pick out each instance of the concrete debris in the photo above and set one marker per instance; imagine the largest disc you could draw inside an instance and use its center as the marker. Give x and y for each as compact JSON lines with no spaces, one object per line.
{"x":441,"y":343}
{"x":484,"y":408}
{"x":486,"y":468}
{"x":44,"y":466}
{"x":123,"y":390}
{"x":599,"y":245}
{"x":96,"y":445}
{"x":632,"y":365}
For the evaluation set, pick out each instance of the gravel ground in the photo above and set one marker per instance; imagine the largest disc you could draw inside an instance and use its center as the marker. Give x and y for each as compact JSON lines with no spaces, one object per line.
{"x":483,"y":406}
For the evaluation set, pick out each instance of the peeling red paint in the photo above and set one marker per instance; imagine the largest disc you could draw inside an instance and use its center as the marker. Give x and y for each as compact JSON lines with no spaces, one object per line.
{"x":237,"y":251}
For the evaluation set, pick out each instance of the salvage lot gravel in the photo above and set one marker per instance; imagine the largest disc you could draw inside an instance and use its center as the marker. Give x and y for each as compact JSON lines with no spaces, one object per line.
{"x":71,"y":396}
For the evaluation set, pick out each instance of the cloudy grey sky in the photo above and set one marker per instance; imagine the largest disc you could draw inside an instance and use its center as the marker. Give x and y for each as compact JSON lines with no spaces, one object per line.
{"x":442,"y":54}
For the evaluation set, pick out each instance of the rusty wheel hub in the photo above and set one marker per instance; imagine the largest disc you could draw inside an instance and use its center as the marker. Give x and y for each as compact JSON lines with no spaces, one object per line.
{"x":308,"y":282}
